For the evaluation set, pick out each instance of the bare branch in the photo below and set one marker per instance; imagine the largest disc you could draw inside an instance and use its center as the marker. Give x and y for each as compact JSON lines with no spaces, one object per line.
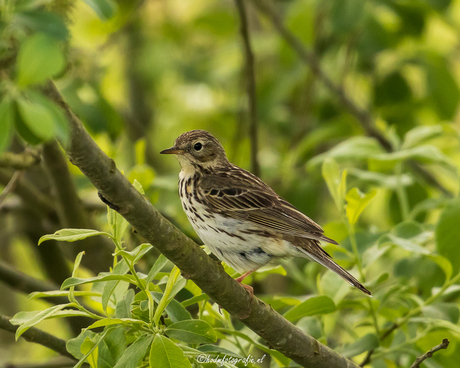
{"x":38,"y":336}
{"x":20,"y":161}
{"x":250,"y":85}
{"x":443,"y":345}
{"x":193,"y":262}
{"x":12,"y":184}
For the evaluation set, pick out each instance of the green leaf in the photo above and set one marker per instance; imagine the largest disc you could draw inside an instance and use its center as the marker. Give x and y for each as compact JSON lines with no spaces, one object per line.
{"x":175,"y":310}
{"x":23,"y":317}
{"x":74,"y":273}
{"x":123,"y":308}
{"x":444,"y":263}
{"x":425,"y":154}
{"x":74,"y":281}
{"x":97,"y":339}
{"x":105,"y":9}
{"x":404,"y":243}
{"x":356,"y":203}
{"x":115,"y":342}
{"x":58,"y":293}
{"x":336,"y":183}
{"x":36,"y":117}
{"x":39,"y":58}
{"x":73,"y":345}
{"x":158,"y":265}
{"x":6,"y":123}
{"x":71,"y":235}
{"x":421,"y":134}
{"x":315,"y":305}
{"x":26,"y":323}
{"x":165,"y":354}
{"x":448,"y":234}
{"x":89,"y":348}
{"x":193,"y":331}
{"x":120,"y":269}
{"x":118,"y":224}
{"x":175,"y":284}
{"x":353,"y":149}
{"x":383,"y":180}
{"x":43,"y":21}
{"x":116,"y":321}
{"x":135,"y":353}
{"x":365,"y":343}
{"x":136,"y":254}
{"x":442,"y":311}
{"x":195,"y":299}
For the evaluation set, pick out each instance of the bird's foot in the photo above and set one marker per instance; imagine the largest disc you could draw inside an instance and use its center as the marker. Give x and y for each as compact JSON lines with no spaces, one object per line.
{"x":250,"y":290}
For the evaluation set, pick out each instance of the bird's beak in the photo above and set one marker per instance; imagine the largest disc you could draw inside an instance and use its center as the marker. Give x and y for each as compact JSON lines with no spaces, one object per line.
{"x":172,"y":151}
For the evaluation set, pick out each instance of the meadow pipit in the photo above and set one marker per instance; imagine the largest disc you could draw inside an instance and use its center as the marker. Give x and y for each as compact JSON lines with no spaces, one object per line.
{"x":239,"y":217}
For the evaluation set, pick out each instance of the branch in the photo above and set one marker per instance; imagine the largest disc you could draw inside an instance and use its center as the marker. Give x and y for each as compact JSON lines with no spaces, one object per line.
{"x":71,"y":212}
{"x":38,"y":336}
{"x":429,"y":353}
{"x":20,"y":161}
{"x":193,"y":262}
{"x":12,"y":184}
{"x":251,"y":86}
{"x":362,"y":115}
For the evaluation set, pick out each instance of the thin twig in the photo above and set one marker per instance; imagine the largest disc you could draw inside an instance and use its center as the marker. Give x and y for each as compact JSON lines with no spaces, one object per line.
{"x":38,"y":336}
{"x":250,"y":85}
{"x":11,"y":186}
{"x":362,"y":115}
{"x":443,"y":345}
{"x":20,"y":161}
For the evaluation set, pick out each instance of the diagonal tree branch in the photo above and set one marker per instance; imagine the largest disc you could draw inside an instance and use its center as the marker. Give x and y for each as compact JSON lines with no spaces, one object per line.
{"x":443,"y":345}
{"x":38,"y":336}
{"x":250,"y":85}
{"x":362,"y":115}
{"x":193,"y":262}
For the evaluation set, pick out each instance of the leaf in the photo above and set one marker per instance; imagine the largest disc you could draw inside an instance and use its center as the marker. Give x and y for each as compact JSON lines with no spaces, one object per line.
{"x":49,"y":23}
{"x":6,"y":123}
{"x":421,"y":134}
{"x":195,"y":299}
{"x":365,"y":343}
{"x":39,"y":58}
{"x":26,"y":323}
{"x":448,"y":234}
{"x":193,"y":331}
{"x":158,"y":265}
{"x":425,"y":154}
{"x":336,"y":183}
{"x":353,"y":149}
{"x":444,"y":263}
{"x":165,"y":354}
{"x":442,"y":311}
{"x":120,"y":269}
{"x":115,"y":341}
{"x":74,"y":281}
{"x":89,"y":348}
{"x":123,"y":307}
{"x":175,"y":310}
{"x":135,"y":353}
{"x":58,"y":293}
{"x":175,"y":284}
{"x":74,"y":273}
{"x":404,"y":244}
{"x":387,"y":181}
{"x":117,"y":223}
{"x":137,"y":253}
{"x":116,"y":321}
{"x":105,"y":9}
{"x":37,"y":118}
{"x":96,"y":341}
{"x":315,"y":305}
{"x":71,"y":235}
{"x":73,"y":345}
{"x":356,"y":203}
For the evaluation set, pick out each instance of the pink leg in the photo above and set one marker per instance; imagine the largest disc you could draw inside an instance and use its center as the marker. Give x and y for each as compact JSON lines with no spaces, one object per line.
{"x":243,"y":276}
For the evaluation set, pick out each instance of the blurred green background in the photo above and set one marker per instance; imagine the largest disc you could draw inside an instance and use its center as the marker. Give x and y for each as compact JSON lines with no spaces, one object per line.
{"x":140,"y":73}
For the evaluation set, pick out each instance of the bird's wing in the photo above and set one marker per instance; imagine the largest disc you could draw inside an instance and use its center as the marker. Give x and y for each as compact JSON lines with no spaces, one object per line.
{"x":241,"y":195}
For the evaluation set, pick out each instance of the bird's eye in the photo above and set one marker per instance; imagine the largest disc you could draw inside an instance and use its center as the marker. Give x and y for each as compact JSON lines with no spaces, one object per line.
{"x":198,"y":146}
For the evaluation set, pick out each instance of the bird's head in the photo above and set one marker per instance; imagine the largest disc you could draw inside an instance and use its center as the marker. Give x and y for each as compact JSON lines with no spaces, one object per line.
{"x":198,"y":148}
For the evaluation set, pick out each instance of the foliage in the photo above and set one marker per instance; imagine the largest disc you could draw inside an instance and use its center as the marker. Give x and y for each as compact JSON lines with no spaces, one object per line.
{"x":140,"y":73}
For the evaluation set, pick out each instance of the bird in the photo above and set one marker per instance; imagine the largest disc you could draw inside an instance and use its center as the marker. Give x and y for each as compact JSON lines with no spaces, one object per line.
{"x":240,"y":218}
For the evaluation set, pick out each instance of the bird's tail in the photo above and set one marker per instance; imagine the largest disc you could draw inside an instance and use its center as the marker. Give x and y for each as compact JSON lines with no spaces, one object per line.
{"x":323,"y":258}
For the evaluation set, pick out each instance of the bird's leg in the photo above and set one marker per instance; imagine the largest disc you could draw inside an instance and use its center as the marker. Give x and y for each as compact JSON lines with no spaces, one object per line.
{"x":248,"y":288}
